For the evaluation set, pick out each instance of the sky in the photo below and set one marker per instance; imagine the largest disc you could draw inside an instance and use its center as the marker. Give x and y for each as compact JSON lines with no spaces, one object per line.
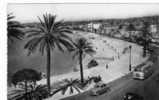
{"x":29,"y":12}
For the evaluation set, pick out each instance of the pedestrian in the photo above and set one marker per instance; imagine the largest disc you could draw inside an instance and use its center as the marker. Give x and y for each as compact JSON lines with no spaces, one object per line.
{"x":118,"y":55}
{"x":106,"y":66}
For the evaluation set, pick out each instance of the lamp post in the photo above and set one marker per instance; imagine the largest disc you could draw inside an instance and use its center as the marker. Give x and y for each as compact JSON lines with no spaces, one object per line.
{"x":130,"y":58}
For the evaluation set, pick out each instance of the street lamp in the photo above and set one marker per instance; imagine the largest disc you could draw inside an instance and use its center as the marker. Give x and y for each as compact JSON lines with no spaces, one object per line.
{"x":130,"y":58}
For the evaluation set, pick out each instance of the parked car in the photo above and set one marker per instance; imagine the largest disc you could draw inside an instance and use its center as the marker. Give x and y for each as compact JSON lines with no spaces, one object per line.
{"x":132,"y":96}
{"x":99,"y":88}
{"x":92,"y":63}
{"x":143,"y":71}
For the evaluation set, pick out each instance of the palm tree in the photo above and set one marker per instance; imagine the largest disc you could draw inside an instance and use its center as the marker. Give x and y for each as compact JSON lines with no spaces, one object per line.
{"x":47,"y":36}
{"x":14,"y":28}
{"x":82,"y":47}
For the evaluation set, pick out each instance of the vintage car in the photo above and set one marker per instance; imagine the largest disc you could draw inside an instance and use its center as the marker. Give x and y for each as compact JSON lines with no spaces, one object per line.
{"x":132,"y":96}
{"x":99,"y":88}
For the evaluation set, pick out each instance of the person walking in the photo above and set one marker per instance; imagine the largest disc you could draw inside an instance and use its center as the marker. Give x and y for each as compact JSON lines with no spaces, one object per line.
{"x":106,"y":66}
{"x":118,"y":56}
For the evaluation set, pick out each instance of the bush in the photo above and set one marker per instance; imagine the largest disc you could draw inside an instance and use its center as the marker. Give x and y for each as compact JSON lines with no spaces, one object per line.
{"x":39,"y":93}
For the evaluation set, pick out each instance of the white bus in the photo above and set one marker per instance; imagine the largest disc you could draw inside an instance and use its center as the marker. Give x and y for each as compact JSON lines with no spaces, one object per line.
{"x":143,"y":70}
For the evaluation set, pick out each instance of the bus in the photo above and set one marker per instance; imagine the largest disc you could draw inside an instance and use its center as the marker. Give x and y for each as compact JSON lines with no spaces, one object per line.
{"x":143,"y":70}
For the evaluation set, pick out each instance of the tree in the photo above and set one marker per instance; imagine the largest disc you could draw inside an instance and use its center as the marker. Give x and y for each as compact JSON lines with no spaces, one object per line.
{"x":131,"y":29}
{"x":82,"y":47}
{"x":46,"y":37}
{"x":26,"y":76}
{"x":120,"y":27}
{"x":145,"y":37}
{"x":14,"y":28}
{"x":40,"y":92}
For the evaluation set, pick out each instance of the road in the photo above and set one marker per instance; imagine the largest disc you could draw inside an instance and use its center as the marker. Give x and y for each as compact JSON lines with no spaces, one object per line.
{"x":148,"y":88}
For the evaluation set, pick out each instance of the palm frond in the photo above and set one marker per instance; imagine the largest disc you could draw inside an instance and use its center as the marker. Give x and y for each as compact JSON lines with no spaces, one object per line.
{"x":15,"y":33}
{"x":72,"y":50}
{"x":14,"y":24}
{"x":63,"y":35}
{"x":13,"y":28}
{"x":89,"y":50}
{"x":33,"y":34}
{"x":58,"y":25}
{"x":65,"y":31}
{"x":52,"y":23}
{"x":45,"y":17}
{"x":33,"y":31}
{"x":64,"y":89}
{"x":50,"y":42}
{"x":71,"y":89}
{"x":10,"y":16}
{"x":77,"y":89}
{"x":42,"y":46}
{"x":60,"y":47}
{"x":66,"y":43}
{"x":75,"y":54}
{"x":33,"y":44}
{"x":42,"y":25}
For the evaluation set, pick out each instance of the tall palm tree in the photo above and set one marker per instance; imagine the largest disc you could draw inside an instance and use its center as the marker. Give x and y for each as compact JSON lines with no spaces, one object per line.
{"x":47,"y":36}
{"x":82,"y":47}
{"x":14,"y":28}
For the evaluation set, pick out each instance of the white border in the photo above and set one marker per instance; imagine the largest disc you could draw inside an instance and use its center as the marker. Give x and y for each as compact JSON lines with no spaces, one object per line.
{"x":83,"y":1}
{"x":3,"y":51}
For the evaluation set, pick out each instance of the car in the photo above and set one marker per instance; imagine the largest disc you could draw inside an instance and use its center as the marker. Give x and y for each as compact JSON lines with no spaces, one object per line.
{"x":92,"y":37}
{"x":132,"y":96}
{"x":99,"y":88}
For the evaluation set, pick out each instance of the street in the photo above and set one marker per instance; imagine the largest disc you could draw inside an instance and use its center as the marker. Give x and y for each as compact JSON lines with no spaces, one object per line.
{"x":148,"y":88}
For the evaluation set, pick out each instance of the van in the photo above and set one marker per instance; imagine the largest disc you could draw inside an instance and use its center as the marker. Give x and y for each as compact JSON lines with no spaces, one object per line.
{"x":143,"y":70}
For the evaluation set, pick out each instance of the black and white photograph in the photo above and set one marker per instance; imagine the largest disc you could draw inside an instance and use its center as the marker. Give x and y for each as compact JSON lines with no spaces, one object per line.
{"x":82,"y":51}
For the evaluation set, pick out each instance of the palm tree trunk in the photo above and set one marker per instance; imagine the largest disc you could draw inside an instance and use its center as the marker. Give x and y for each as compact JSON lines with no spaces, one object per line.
{"x":34,"y":83}
{"x":48,"y":68}
{"x":81,"y":66}
{"x":26,"y":88}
